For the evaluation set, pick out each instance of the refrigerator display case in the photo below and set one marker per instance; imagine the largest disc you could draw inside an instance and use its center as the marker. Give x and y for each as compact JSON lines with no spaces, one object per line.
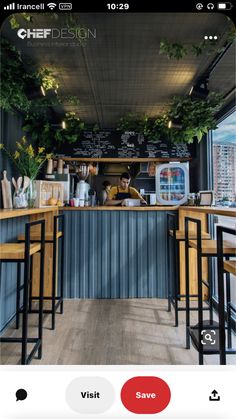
{"x":172,"y":183}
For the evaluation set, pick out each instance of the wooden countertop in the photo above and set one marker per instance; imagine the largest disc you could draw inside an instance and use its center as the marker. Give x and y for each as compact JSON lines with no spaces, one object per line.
{"x":118,"y":208}
{"x":20,"y":212}
{"x":229,"y":212}
{"x":12,"y":213}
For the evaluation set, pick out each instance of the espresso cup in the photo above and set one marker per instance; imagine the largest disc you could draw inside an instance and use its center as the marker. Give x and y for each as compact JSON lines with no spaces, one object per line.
{"x":76,"y":202}
{"x":81,"y":202}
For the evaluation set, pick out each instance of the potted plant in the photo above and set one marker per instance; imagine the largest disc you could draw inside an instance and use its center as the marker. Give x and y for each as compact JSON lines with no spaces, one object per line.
{"x":28,"y":161}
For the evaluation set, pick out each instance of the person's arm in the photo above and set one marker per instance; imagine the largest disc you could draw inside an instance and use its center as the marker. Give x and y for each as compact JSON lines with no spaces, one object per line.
{"x":113,"y":202}
{"x":110,"y":198}
{"x":136,"y":195}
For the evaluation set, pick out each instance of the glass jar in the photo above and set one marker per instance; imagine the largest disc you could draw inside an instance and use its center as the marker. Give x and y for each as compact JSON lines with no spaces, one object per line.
{"x":31,"y":194}
{"x":20,"y":199}
{"x":192,"y":199}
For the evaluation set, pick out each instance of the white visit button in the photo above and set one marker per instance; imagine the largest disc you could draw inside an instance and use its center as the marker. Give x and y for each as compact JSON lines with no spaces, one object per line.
{"x":90,"y":395}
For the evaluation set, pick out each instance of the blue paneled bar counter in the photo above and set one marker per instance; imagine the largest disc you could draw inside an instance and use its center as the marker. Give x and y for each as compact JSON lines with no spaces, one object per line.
{"x":110,"y":252}
{"x":116,"y":252}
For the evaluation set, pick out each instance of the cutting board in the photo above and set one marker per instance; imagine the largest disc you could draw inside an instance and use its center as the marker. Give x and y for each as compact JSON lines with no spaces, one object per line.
{"x":6,"y":191}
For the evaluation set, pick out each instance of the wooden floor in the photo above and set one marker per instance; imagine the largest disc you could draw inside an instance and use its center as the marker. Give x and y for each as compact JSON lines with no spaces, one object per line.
{"x":113,"y":332}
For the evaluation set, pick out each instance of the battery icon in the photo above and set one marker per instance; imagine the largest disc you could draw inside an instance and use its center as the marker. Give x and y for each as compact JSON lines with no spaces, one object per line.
{"x":224,"y":6}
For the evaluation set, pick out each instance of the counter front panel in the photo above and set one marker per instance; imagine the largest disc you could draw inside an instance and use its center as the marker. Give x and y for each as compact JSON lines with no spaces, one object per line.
{"x":115,"y":254}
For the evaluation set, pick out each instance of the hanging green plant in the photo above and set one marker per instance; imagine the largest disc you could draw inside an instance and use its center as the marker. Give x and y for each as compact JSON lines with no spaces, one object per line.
{"x":197,"y":117}
{"x":47,"y":79}
{"x":73,"y":128}
{"x":153,"y":129}
{"x":15,"y":22}
{"x":156,"y":129}
{"x":132,"y":122}
{"x":172,"y":49}
{"x":40,"y":132}
{"x":13,"y":80}
{"x":176,"y":50}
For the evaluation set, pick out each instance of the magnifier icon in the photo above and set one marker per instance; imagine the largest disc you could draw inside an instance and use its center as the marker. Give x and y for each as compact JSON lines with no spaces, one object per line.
{"x":208,"y":337}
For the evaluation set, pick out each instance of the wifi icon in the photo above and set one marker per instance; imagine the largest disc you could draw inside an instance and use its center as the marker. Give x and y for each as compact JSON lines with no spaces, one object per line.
{"x":51,"y":5}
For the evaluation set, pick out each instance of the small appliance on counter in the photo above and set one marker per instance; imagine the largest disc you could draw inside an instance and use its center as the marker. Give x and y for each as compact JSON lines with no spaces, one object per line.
{"x":82,"y":187}
{"x":129,"y":202}
{"x":82,"y":192}
{"x":150,"y":198}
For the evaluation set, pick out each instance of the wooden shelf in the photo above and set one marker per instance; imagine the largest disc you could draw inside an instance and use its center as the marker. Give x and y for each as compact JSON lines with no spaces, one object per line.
{"x":120,"y":160}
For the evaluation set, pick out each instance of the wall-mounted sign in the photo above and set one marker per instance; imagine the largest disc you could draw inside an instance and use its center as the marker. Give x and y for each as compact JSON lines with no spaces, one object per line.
{"x":114,"y":144}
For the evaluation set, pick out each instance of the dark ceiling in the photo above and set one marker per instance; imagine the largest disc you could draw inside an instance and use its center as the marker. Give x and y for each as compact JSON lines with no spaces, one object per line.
{"x":121,"y":70}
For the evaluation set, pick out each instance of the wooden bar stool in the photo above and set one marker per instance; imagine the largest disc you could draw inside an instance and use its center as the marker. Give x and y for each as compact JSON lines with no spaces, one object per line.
{"x":205,"y":249}
{"x":228,"y":267}
{"x":56,"y":298}
{"x":22,"y":253}
{"x":177,"y":236}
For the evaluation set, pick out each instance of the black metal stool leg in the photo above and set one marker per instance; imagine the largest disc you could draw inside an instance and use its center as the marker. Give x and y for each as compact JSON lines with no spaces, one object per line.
{"x":31,"y":285}
{"x":176,"y":281}
{"x":187,"y":287}
{"x":221,"y":297}
{"x":200,"y":304}
{"x":168,"y":271}
{"x":62,"y":268}
{"x":25,"y":305}
{"x":41,"y":293}
{"x":54,"y":271}
{"x":18,"y":285}
{"x":210,"y":291}
{"x":228,"y":302}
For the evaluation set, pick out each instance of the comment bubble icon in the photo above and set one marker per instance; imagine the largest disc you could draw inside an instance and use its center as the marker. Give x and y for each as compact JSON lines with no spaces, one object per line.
{"x":21,"y":394}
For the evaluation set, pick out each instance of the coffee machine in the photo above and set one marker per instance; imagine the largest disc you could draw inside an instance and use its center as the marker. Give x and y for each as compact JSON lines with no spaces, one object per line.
{"x":82,"y":187}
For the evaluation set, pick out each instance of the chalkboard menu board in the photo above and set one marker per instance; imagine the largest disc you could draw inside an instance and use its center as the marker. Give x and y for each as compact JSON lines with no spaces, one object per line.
{"x":115,"y":144}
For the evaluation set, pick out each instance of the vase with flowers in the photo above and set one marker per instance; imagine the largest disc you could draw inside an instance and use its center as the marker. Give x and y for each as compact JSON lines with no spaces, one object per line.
{"x":28,"y":160}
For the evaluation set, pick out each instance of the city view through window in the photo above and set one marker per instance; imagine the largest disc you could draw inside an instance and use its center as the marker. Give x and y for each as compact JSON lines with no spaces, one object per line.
{"x":224,"y":161}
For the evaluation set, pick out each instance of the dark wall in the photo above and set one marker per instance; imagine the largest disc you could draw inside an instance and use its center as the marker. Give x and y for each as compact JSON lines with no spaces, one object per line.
{"x":10,"y":132}
{"x":198,"y":167}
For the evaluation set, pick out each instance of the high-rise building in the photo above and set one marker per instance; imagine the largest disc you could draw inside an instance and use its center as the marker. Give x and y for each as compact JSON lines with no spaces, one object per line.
{"x":224,"y":158}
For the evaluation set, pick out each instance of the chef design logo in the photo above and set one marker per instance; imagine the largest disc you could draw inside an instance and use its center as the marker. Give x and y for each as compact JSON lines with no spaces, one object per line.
{"x":33,"y":33}
{"x":55,"y":33}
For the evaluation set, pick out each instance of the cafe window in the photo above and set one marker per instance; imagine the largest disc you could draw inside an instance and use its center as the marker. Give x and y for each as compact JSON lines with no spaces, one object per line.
{"x":224,"y":183}
{"x":224,"y":161}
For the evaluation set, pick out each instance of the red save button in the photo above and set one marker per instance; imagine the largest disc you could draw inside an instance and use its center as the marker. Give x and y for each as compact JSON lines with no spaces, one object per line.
{"x":145,"y":395}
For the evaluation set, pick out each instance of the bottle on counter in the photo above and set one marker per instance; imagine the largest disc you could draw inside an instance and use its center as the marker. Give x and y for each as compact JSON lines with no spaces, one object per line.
{"x":66,"y":169}
{"x":60,"y":167}
{"x":50,"y":167}
{"x":197,"y":200}
{"x":54,"y":166}
{"x":191,"y":199}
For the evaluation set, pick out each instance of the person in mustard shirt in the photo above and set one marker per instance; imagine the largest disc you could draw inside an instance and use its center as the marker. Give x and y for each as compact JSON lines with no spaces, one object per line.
{"x":118,"y":194}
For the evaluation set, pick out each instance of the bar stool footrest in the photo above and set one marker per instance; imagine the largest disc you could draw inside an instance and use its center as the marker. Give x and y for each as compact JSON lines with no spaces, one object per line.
{"x":18,"y":340}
